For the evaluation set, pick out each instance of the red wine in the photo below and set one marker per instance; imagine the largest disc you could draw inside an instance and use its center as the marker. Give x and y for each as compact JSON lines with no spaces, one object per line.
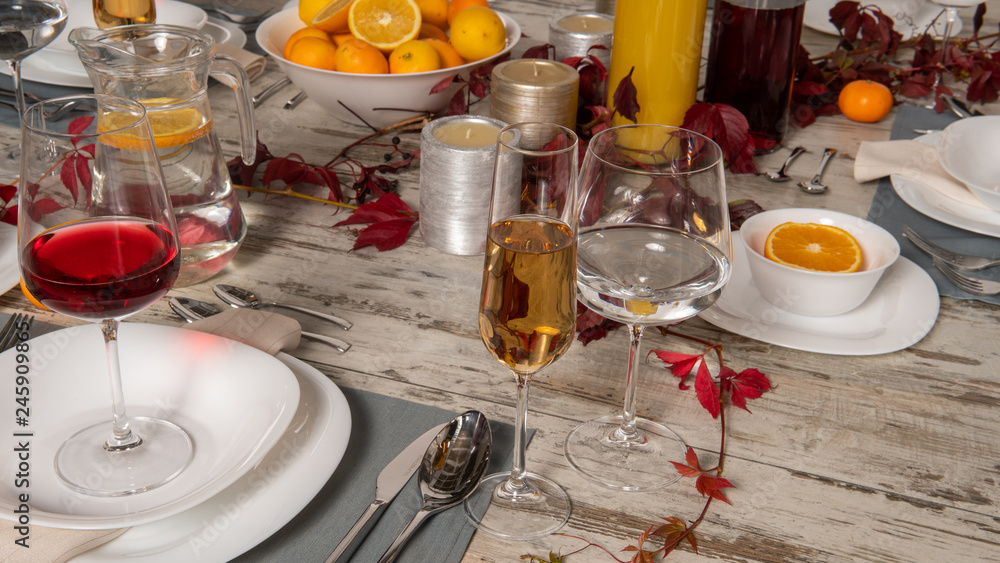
{"x":101,"y":268}
{"x":751,"y":62}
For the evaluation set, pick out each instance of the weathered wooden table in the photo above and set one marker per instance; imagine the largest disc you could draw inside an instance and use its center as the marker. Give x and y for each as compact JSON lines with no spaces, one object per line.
{"x":892,"y":457}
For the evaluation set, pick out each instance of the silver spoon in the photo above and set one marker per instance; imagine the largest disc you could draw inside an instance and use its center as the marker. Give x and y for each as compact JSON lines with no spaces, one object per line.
{"x":193,"y":310}
{"x":239,"y":297}
{"x":816,"y":186}
{"x":780,"y":175}
{"x":452,"y":468}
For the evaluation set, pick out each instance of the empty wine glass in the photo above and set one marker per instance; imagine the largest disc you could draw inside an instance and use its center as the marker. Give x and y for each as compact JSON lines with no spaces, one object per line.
{"x":654,"y":249}
{"x":97,"y":241}
{"x":527,"y":311}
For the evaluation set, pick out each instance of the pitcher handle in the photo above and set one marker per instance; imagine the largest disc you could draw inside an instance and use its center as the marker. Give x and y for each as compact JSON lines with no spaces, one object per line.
{"x":237,"y":79}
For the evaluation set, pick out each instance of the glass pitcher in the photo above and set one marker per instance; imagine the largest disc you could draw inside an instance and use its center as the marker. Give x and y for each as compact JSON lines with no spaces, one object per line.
{"x":166,"y":68}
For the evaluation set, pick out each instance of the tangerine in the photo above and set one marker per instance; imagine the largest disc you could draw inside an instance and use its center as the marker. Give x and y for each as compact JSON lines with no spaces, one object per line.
{"x":477,"y":33}
{"x":386,"y":24}
{"x":449,"y":56}
{"x":355,"y":55}
{"x":414,"y":56}
{"x":865,"y":101}
{"x":308,"y":31}
{"x":434,"y":12}
{"x":456,"y":6}
{"x":314,"y":52}
{"x":431,"y":31}
{"x":812,"y":246}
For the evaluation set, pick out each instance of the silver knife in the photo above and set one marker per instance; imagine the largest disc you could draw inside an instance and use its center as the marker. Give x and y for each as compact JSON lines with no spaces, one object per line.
{"x":388,"y":484}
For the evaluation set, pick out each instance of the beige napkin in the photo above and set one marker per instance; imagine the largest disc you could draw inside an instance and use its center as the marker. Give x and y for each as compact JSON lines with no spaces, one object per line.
{"x":912,"y":159}
{"x":263,"y":330}
{"x":252,"y":63}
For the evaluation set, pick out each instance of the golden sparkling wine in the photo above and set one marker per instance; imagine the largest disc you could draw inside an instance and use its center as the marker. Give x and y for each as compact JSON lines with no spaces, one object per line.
{"x":527,"y":312}
{"x":111,"y":13}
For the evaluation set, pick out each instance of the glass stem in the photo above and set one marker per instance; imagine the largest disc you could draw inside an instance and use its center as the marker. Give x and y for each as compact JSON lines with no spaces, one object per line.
{"x":627,"y":431}
{"x":516,"y":480}
{"x":15,"y":76}
{"x":951,"y":15}
{"x":122,"y":438}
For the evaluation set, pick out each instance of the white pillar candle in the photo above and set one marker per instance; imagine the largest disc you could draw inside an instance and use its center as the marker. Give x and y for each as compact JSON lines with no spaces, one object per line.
{"x":574,"y":35}
{"x":525,"y":90}
{"x":456,"y":179}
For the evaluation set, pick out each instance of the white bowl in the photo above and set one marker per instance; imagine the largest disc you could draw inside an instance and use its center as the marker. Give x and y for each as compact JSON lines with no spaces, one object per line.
{"x":368,"y":94}
{"x":818,"y":294}
{"x":969,"y":150}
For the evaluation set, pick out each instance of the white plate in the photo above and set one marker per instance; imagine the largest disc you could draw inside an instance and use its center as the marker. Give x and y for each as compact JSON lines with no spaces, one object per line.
{"x":936,"y":205}
{"x":900,"y":311}
{"x":234,"y":401}
{"x":62,"y":72}
{"x":911,"y":17}
{"x":263,"y":500}
{"x":10,"y":274}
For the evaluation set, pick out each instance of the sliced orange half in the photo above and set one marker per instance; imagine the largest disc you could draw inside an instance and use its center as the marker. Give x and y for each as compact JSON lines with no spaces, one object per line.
{"x":811,"y":246}
{"x":386,"y":24}
{"x":331,"y":18}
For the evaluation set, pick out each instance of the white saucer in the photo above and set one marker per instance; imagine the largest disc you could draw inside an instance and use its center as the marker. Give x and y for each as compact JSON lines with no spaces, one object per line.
{"x":61,"y":71}
{"x":936,"y":205}
{"x":10,"y":273}
{"x":262,"y":501}
{"x":911,"y":17}
{"x":233,"y":400}
{"x":899,"y":312}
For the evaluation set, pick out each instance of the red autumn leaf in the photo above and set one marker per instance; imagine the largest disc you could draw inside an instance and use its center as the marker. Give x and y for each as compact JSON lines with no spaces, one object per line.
{"x":7,"y":192}
{"x":627,"y":98}
{"x":242,"y":174}
{"x":83,"y":174}
{"x":9,"y":215}
{"x":385,"y":235}
{"x":707,"y":391}
{"x":545,"y":51}
{"x":748,"y":384}
{"x":710,"y":485}
{"x":445,"y":84}
{"x":43,"y":207}
{"x":67,"y":175}
{"x":79,"y":124}
{"x":725,"y":125}
{"x":680,"y":364}
{"x":457,"y":104}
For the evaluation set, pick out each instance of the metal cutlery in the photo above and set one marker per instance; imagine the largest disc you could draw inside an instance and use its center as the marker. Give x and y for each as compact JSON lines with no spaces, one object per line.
{"x":239,"y":297}
{"x":959,"y":108}
{"x":192,"y":310}
{"x":780,"y":175}
{"x":816,"y":186}
{"x":241,"y":18}
{"x":14,"y":329}
{"x":270,"y":90}
{"x":953,"y":259}
{"x":452,"y":468}
{"x":295,"y":100}
{"x":388,"y":484}
{"x":975,"y":286}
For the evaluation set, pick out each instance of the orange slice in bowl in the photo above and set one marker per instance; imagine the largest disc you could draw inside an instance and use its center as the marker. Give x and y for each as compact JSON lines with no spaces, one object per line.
{"x":811,"y":246}
{"x":386,"y":24}
{"x":328,"y":15}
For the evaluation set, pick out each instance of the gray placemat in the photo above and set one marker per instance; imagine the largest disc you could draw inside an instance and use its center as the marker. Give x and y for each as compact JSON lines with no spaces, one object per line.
{"x":890,"y":212}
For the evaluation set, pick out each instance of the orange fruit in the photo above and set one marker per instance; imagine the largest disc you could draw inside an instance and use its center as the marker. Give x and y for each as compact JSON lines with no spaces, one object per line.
{"x":31,"y":298}
{"x":172,"y":126}
{"x":357,"y":56}
{"x":328,"y":15}
{"x":449,"y":56}
{"x":314,"y":52}
{"x":477,"y":33}
{"x":434,"y":12}
{"x":430,"y":31}
{"x":811,"y":246}
{"x":414,"y":56}
{"x":307,"y":31}
{"x":340,"y":38}
{"x":456,"y":6}
{"x":386,"y":24}
{"x":865,"y":101}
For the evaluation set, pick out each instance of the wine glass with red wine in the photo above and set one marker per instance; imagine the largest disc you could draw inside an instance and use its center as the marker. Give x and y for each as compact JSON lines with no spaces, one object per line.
{"x":98,"y":242}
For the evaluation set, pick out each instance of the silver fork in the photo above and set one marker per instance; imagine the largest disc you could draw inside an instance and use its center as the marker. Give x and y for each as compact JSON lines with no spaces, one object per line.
{"x":971,"y":285}
{"x":953,"y":259}
{"x":11,"y":331}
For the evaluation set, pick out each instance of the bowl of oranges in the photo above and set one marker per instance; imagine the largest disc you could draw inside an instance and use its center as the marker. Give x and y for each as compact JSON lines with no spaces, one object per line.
{"x":378,"y":62}
{"x":816,"y":262}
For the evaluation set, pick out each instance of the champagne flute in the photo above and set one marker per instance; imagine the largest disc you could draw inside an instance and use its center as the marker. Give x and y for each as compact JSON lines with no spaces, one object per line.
{"x":654,"y":248}
{"x":527,"y":311}
{"x":112,"y":13}
{"x":951,"y":8}
{"x":97,"y":241}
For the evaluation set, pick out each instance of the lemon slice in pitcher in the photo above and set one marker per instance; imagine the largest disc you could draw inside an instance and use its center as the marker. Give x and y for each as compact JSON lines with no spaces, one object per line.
{"x":171,"y":127}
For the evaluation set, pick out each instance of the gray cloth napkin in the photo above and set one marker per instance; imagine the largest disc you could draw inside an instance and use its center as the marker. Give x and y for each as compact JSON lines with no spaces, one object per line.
{"x":890,"y":212}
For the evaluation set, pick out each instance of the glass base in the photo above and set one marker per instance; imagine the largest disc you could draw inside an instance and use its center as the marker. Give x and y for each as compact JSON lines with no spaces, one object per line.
{"x":85,"y":466}
{"x":537,"y":510}
{"x":601,"y":453}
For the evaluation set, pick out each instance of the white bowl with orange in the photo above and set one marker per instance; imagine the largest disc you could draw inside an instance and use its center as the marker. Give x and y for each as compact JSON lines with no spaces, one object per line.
{"x":380,"y":99}
{"x":816,"y":262}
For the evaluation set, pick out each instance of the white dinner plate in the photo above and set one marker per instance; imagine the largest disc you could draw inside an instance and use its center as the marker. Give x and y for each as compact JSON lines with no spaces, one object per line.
{"x":911,"y":17}
{"x":233,"y":400}
{"x":900,"y":311}
{"x":10,"y":274}
{"x":62,"y":71}
{"x":262,"y":501}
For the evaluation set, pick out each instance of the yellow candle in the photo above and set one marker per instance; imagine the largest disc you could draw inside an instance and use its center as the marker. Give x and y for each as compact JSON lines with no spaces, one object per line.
{"x":538,"y":72}
{"x":469,"y":134}
{"x":586,"y":24}
{"x":662,"y":40}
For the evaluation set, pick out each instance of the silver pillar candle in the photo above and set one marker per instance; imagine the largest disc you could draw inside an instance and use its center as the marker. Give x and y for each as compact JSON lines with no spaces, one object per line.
{"x":534,"y":90}
{"x":574,"y":34}
{"x":457,"y":154}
